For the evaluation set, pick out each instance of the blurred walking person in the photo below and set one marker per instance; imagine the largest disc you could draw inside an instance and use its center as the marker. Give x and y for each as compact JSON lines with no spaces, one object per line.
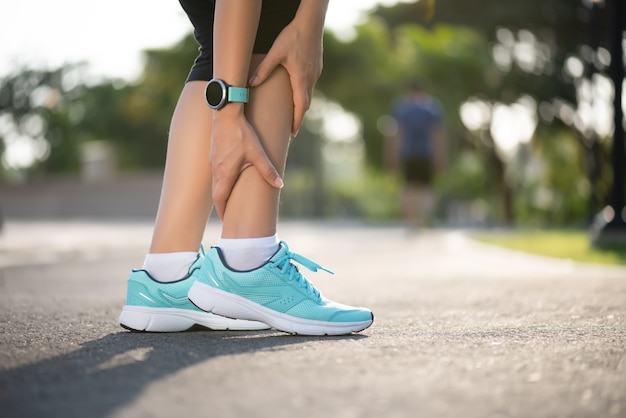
{"x":417,"y":148}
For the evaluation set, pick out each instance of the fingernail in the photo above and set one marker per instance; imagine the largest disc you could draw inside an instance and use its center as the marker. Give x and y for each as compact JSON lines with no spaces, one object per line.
{"x":254,"y":80}
{"x":279,"y":183}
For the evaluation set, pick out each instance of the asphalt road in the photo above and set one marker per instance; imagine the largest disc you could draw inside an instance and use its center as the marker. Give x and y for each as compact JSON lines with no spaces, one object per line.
{"x":462,"y":329}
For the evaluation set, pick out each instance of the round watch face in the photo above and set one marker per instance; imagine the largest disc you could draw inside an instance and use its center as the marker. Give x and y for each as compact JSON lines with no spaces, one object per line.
{"x":216,"y":94}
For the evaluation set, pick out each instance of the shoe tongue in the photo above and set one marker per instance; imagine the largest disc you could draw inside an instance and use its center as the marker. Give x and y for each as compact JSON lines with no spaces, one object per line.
{"x":282,"y":257}
{"x":282,"y":251}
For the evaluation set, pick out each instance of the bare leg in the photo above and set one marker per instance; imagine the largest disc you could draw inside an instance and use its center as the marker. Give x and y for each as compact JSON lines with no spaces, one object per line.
{"x":418,"y":205}
{"x":252,"y":208}
{"x":426,"y":205}
{"x":185,"y":202}
{"x":410,"y":205}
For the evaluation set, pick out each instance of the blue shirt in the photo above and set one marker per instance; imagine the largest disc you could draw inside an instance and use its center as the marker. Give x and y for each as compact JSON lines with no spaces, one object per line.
{"x":416,"y":120}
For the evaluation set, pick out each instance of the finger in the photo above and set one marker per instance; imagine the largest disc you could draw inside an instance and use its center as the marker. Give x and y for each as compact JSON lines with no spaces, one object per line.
{"x":220,"y":209}
{"x":221,"y":191}
{"x":301,"y":103}
{"x":265,"y":68}
{"x":264,"y":166}
{"x":298,"y":117}
{"x":219,"y":203}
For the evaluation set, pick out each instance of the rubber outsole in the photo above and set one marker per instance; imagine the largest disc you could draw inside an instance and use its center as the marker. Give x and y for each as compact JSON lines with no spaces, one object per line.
{"x":148,"y":319}
{"x":230,"y":305}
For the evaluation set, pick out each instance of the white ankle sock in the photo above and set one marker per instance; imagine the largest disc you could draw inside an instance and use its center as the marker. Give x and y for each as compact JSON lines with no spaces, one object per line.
{"x":169,"y":267}
{"x":247,"y":253}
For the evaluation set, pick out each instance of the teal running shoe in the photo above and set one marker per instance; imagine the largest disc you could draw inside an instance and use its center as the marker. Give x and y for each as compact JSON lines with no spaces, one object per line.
{"x":276,"y":294}
{"x":164,"y":307}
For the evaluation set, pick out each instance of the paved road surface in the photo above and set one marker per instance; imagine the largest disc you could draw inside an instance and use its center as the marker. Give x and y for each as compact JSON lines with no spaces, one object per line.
{"x":461,"y":330}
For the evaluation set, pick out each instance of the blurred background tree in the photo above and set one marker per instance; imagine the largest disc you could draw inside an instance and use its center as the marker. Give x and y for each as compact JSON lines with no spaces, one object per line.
{"x":513,"y":78}
{"x":527,"y":110}
{"x":135,"y":117}
{"x":38,"y":109}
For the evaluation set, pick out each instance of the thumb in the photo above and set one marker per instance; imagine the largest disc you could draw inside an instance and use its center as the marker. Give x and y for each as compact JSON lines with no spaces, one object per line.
{"x":264,"y":69}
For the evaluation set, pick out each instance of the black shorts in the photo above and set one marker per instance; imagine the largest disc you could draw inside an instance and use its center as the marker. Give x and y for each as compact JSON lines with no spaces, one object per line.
{"x":275,"y":15}
{"x":418,"y":171}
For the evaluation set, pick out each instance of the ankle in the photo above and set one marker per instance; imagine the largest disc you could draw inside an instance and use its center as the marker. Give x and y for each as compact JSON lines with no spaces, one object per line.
{"x":248,"y":253}
{"x":169,"y":267}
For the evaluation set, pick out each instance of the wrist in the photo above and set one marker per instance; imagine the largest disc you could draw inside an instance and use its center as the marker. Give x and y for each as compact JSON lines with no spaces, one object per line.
{"x":312,"y":13}
{"x":232,"y":110}
{"x":306,"y":25}
{"x":218,"y":94}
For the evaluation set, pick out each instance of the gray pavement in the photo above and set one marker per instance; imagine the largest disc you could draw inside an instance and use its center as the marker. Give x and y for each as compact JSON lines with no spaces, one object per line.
{"x":462,"y":329}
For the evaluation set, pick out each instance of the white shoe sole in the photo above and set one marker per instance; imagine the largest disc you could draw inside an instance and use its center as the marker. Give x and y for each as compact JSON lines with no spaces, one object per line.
{"x":214,"y":300}
{"x":142,"y":318}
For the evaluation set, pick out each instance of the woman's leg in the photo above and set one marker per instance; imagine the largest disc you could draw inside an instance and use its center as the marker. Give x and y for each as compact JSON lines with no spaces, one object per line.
{"x":249,"y":230}
{"x":183,"y":211}
{"x":252,"y":208}
{"x":185,"y":202}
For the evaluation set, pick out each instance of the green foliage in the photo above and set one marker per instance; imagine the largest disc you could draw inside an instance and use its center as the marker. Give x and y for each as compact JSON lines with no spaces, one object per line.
{"x":562,"y":25}
{"x":38,"y":110}
{"x":568,"y":244}
{"x":375,"y":196}
{"x":454,"y":61}
{"x":552,"y":182}
{"x":136,"y":117}
{"x":466,"y":178}
{"x":559,"y":195}
{"x":367,"y":74}
{"x":361,"y":77}
{"x":547,"y":182}
{"x":455,"y":54}
{"x":65,"y":151}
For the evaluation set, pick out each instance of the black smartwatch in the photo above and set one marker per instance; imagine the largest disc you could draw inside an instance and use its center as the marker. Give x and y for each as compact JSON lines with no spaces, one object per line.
{"x":218,"y":94}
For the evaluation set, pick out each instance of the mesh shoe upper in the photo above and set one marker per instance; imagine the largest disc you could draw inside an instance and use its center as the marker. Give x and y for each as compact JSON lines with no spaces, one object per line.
{"x":280,"y":286}
{"x":143,"y":290}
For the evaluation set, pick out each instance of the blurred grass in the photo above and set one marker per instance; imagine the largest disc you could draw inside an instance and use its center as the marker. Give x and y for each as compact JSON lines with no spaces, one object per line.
{"x":573,"y":245}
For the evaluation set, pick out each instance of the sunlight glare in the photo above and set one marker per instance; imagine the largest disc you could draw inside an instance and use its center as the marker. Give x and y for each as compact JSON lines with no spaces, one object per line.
{"x":339,"y":125}
{"x":23,"y":151}
{"x":475,"y":114}
{"x":513,"y":124}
